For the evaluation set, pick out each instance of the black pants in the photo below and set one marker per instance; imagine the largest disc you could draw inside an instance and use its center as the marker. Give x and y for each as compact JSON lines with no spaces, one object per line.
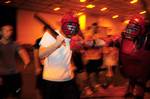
{"x":11,"y":84}
{"x":93,"y":65}
{"x":40,"y":84}
{"x":78,"y":61}
{"x":61,"y":90}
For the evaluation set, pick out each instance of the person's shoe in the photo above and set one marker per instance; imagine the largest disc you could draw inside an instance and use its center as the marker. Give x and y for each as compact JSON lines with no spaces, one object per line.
{"x":105,"y":85}
{"x":138,"y":97}
{"x":97,"y":88}
{"x":128,"y":94}
{"x":147,"y":89}
{"x":88,"y":91}
{"x":138,"y":92}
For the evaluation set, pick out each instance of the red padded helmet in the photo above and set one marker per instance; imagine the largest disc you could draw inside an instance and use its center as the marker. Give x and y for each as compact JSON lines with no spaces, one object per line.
{"x":70,"y":24}
{"x":135,"y":26}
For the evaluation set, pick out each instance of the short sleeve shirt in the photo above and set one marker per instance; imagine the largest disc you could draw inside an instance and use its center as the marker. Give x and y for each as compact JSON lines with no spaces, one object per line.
{"x":57,"y":65}
{"x":7,"y":58}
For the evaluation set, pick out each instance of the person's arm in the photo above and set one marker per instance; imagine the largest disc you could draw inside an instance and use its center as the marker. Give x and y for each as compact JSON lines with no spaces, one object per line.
{"x":100,"y":42}
{"x":37,"y":64}
{"x":24,"y":56}
{"x":46,"y":51}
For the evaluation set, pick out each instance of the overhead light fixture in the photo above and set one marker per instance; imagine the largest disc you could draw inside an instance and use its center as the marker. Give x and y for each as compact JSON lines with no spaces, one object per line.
{"x":80,"y":13}
{"x":133,"y":1}
{"x":8,"y":1}
{"x":136,"y":19}
{"x":82,"y":21}
{"x":115,"y":16}
{"x":142,"y":12}
{"x":126,"y":21}
{"x":56,"y":9}
{"x":82,"y":0}
{"x":104,"y":9}
{"x":90,"y":6}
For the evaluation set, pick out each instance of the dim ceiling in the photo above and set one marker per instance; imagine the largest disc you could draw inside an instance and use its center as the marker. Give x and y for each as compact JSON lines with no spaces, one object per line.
{"x":120,"y":7}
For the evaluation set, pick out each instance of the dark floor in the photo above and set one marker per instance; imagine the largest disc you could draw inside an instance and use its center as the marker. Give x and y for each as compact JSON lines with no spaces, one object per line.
{"x":29,"y":91}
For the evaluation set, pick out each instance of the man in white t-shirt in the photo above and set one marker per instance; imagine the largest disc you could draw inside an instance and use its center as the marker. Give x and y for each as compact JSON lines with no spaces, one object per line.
{"x":58,"y":74}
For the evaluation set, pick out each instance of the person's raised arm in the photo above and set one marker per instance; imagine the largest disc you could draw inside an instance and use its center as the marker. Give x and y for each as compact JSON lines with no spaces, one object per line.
{"x":46,"y":51}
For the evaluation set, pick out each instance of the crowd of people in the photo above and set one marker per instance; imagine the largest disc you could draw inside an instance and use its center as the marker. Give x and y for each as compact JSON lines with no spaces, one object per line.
{"x":66,"y":66}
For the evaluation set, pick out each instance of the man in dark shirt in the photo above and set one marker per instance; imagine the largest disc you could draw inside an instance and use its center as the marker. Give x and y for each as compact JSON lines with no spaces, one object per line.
{"x":10,"y":78}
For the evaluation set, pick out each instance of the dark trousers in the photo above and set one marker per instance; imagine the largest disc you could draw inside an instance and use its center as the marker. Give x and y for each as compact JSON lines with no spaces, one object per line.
{"x":61,"y":90}
{"x":40,"y":84}
{"x":93,"y":65}
{"x":11,"y":84}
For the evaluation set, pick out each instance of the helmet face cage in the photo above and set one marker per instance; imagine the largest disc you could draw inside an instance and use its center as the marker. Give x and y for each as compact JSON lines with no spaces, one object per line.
{"x":135,"y":27}
{"x":70,"y":28}
{"x":132,"y":30}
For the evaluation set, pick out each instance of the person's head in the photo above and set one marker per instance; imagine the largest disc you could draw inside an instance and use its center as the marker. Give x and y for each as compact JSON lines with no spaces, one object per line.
{"x":135,"y":26}
{"x":70,"y":25}
{"x":95,"y":27}
{"x":6,"y":31}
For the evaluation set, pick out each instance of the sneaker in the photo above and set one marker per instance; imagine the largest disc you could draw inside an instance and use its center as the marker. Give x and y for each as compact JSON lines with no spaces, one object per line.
{"x":88,"y":91}
{"x":105,"y":85}
{"x":97,"y":87}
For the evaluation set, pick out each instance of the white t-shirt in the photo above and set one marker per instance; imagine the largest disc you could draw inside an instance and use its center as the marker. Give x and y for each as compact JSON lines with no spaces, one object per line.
{"x":57,"y":66}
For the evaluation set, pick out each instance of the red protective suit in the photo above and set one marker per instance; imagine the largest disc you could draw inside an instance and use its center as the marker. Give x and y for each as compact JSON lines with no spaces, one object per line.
{"x":135,"y":55}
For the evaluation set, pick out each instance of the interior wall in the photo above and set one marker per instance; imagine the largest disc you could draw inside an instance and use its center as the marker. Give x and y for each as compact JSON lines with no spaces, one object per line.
{"x":114,"y":26}
{"x":29,"y":29}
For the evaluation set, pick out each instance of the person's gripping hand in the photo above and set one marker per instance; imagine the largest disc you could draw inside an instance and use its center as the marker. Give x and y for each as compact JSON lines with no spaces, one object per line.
{"x":59,"y":40}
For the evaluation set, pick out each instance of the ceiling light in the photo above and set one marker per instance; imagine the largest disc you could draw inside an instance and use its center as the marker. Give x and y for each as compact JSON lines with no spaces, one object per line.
{"x":56,"y":9}
{"x":133,"y":1}
{"x":80,"y":13}
{"x":82,"y":21}
{"x":142,"y":12}
{"x":126,"y":21}
{"x":8,"y":1}
{"x":90,"y":6}
{"x":136,"y":19}
{"x":104,"y":9}
{"x":115,"y":16}
{"x":82,"y":0}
